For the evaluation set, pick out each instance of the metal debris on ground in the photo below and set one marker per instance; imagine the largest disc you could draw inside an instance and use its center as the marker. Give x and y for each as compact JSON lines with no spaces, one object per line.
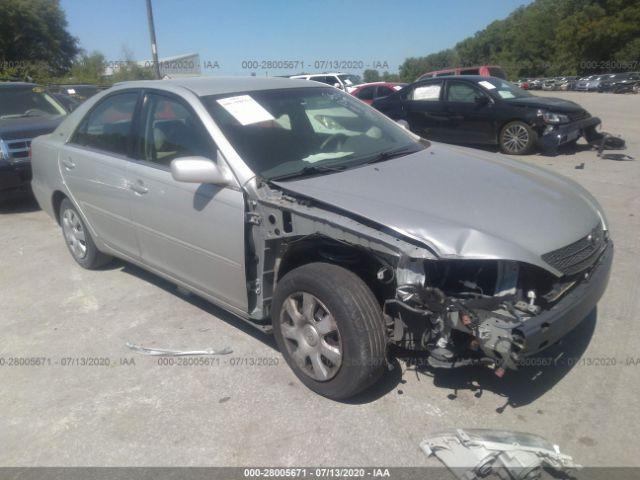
{"x":177,"y":353}
{"x":476,"y":453}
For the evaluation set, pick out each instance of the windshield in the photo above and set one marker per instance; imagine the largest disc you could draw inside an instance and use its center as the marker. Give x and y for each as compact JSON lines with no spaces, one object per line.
{"x":350,"y":80}
{"x":28,"y":102}
{"x":289,"y":132}
{"x":502,"y":88}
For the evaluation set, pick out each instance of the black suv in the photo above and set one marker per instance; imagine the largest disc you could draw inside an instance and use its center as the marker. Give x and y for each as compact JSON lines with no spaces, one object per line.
{"x":26,"y":111}
{"x":487,"y":110}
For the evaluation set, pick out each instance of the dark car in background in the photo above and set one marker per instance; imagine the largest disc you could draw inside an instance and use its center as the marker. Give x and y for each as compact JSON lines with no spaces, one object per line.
{"x":618,"y":82}
{"x":69,"y":102}
{"x":487,"y":110}
{"x":78,"y":91}
{"x":481,"y":70}
{"x":27,"y":110}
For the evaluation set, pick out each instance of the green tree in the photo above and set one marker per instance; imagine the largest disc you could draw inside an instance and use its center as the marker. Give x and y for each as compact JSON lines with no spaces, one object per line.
{"x":34,"y":41}
{"x":548,"y":37}
{"x":370,"y":75}
{"x":128,"y":69}
{"x":88,"y":68}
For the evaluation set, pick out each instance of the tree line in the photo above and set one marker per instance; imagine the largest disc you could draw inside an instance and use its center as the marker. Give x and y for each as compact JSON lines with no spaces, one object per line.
{"x":548,"y":38}
{"x":544,"y":38}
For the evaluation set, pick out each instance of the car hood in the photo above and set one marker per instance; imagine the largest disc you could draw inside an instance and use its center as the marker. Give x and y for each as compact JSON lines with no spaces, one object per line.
{"x":28,"y":127}
{"x":547,"y":103}
{"x":462,"y":204}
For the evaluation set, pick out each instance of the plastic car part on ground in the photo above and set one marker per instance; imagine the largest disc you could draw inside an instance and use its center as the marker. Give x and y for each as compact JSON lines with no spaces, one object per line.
{"x":476,"y":453}
{"x":162,"y":352}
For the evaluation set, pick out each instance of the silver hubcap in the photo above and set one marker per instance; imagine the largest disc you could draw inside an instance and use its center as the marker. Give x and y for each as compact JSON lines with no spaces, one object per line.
{"x":74,"y":233}
{"x":515,"y":138}
{"x":311,"y":336}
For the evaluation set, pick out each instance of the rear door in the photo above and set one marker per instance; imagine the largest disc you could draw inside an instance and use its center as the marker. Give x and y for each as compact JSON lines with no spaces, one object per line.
{"x":424,"y":108}
{"x":191,"y":232}
{"x":470,"y":114}
{"x":94,"y":166}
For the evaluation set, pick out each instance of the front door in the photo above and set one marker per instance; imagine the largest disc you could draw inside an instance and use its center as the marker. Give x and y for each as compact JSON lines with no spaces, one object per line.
{"x":191,"y":232}
{"x":469,"y":114}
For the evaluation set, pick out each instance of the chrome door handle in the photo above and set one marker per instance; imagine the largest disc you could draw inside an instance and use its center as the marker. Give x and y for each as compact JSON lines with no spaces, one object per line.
{"x":138,"y":187}
{"x":68,"y":164}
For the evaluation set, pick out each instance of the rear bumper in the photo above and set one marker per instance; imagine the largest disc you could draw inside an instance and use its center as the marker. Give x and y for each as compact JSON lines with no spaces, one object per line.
{"x":566,"y":133}
{"x":550,"y":326}
{"x":14,"y":176}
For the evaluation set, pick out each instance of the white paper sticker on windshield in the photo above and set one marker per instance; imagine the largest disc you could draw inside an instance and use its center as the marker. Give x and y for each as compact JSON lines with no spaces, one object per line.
{"x":487,"y":85}
{"x":505,"y":94}
{"x":71,"y":91}
{"x":245,"y":109}
{"x":426,"y":92}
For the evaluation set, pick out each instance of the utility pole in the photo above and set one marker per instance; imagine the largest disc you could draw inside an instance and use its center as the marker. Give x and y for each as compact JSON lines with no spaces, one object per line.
{"x":154,"y":47}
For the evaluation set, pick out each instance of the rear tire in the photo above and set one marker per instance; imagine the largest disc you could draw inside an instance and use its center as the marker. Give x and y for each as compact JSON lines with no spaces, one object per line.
{"x":78,"y":239}
{"x":517,"y":138}
{"x":329,"y":328}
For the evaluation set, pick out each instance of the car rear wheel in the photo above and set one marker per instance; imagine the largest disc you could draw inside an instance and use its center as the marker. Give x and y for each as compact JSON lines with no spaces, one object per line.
{"x":329,"y":328}
{"x":78,"y":239}
{"x":517,"y":138}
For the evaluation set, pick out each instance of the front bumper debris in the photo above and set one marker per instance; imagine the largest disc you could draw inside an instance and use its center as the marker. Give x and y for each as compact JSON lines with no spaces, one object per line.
{"x":477,"y":453}
{"x":561,"y":134}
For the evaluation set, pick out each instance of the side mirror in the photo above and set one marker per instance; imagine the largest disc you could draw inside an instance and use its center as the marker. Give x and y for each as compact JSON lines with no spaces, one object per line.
{"x":197,"y":170}
{"x":482,"y":101}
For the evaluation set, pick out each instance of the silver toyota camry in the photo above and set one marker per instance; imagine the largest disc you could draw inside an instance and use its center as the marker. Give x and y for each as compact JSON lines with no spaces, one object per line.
{"x":312,"y":216}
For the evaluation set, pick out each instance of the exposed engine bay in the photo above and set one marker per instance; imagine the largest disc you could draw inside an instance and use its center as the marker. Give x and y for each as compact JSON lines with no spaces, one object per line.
{"x":460,"y":311}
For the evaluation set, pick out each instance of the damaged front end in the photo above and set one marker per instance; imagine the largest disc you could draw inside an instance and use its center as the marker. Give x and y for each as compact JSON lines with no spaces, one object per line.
{"x":495,"y":312}
{"x":460,"y":311}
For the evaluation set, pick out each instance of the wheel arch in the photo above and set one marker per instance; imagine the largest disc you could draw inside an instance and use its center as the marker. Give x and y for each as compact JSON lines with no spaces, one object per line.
{"x":319,"y":248}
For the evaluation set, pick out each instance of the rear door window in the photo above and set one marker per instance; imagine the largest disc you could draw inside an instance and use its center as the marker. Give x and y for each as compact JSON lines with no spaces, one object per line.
{"x":384,"y":91}
{"x":429,"y":92}
{"x":108,"y":126}
{"x":367,"y":93}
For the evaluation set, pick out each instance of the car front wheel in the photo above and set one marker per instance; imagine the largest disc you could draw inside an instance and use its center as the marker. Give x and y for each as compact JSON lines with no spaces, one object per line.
{"x":329,"y":328}
{"x":517,"y":138}
{"x":78,"y":239}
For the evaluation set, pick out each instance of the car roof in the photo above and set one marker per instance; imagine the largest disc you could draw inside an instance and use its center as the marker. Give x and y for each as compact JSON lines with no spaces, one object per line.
{"x":472,"y":78}
{"x":17,"y":84}
{"x":203,"y":86}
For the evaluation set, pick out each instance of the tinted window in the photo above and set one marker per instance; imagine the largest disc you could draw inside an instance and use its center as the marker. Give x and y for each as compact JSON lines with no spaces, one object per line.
{"x":107,"y":126}
{"x":366,"y":93}
{"x":27,"y":102}
{"x":497,"y":72}
{"x":470,"y":71}
{"x":444,"y":74}
{"x":384,"y":91}
{"x":463,"y":93}
{"x":425,"y":92}
{"x":170,"y":130}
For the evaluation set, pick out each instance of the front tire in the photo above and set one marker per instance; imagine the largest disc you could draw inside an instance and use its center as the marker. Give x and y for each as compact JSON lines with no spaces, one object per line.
{"x":517,"y":138}
{"x":329,"y":328}
{"x":78,"y":239}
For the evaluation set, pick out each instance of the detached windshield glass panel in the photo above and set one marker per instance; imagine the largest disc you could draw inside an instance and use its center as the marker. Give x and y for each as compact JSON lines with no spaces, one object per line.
{"x":281,"y":132}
